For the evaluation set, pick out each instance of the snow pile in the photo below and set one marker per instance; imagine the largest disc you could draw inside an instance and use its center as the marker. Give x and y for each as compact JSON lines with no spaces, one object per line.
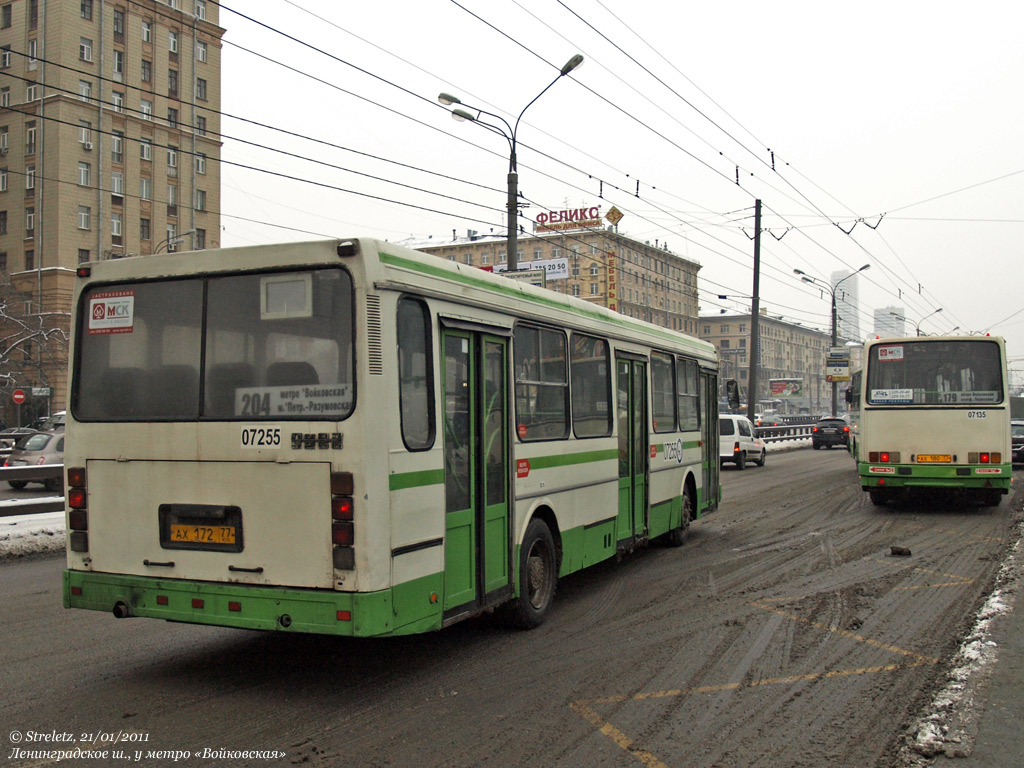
{"x":23,"y":535}
{"x":952,"y":723}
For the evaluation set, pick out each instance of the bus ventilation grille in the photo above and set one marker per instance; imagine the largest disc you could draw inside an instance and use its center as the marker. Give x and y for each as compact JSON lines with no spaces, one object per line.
{"x":375,"y":351}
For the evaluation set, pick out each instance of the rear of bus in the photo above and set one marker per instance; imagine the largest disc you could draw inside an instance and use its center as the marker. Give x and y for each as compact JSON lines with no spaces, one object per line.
{"x":933,"y":412}
{"x":211,"y":398}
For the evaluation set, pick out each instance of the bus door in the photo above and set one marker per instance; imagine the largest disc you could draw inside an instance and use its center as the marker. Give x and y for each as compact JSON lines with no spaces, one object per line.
{"x":710,"y":463}
{"x":476,"y":470}
{"x":631,"y":411}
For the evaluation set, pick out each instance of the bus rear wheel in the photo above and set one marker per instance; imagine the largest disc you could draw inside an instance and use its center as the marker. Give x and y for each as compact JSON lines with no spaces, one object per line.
{"x":538,"y":576}
{"x":677,"y":536}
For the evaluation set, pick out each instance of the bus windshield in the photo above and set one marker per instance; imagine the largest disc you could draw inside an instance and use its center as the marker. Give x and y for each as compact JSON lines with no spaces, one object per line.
{"x":273,"y":345}
{"x":939,"y":372}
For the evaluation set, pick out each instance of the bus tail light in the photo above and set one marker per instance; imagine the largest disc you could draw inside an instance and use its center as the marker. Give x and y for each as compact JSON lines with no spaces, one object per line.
{"x":883,"y":457}
{"x":78,"y":513}
{"x":985,"y":457}
{"x":343,"y":527}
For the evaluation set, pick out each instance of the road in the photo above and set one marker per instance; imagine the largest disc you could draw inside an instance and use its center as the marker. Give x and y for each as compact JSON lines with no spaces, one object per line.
{"x":784,"y":633}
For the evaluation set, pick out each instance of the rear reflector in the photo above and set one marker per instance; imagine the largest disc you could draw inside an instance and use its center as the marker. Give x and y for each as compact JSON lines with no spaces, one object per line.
{"x":197,"y":602}
{"x":78,"y":520}
{"x":76,"y":477}
{"x":342,"y":534}
{"x":76,"y":591}
{"x":344,"y":615}
{"x":234,"y":606}
{"x":162,"y":600}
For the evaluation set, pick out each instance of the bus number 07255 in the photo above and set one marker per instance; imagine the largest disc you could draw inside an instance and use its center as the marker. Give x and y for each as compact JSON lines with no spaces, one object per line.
{"x":261,"y":437}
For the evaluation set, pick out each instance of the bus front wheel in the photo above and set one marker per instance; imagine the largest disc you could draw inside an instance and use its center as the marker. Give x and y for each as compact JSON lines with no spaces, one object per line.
{"x":538,"y":576}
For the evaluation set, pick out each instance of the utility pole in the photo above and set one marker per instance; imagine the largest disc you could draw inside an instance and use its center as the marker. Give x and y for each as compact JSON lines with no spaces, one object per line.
{"x":755,"y":313}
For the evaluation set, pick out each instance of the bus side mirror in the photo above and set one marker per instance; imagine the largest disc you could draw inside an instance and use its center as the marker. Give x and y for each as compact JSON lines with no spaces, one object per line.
{"x":849,"y":397}
{"x":732,"y":393}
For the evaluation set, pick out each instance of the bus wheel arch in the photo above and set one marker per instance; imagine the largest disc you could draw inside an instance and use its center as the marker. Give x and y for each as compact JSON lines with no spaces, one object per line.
{"x":540,"y":555}
{"x":677,"y":536}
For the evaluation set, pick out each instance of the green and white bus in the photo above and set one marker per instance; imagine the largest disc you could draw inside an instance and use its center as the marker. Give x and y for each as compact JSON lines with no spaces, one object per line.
{"x":932,"y":412}
{"x":349,"y":437}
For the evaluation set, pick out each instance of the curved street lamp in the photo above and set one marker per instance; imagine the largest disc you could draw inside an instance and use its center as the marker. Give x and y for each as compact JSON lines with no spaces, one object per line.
{"x":167,"y":242}
{"x":509,"y":132}
{"x":832,"y":290}
{"x":917,"y":325}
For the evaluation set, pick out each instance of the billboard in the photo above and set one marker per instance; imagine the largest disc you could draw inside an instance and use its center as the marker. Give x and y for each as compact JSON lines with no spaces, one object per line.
{"x":786,"y":387}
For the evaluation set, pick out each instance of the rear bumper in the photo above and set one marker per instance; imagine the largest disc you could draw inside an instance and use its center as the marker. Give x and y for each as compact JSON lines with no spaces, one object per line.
{"x":996,"y":476}
{"x":359,"y":614}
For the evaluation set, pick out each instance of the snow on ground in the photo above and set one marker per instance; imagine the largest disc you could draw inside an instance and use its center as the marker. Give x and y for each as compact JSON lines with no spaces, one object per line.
{"x":22,"y":535}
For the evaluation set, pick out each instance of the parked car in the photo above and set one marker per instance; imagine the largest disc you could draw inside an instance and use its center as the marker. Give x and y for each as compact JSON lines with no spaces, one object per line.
{"x":1017,"y":438}
{"x":37,"y":449}
{"x":829,"y":431}
{"x":9,"y":437}
{"x":738,"y":442}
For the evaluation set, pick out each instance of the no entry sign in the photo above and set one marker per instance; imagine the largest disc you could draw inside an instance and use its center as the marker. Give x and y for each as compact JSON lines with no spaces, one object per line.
{"x":18,"y":396}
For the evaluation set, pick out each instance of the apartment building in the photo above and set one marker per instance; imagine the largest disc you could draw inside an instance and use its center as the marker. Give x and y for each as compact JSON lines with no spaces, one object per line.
{"x":639,"y":279}
{"x":109,"y":147}
{"x":792,"y":356}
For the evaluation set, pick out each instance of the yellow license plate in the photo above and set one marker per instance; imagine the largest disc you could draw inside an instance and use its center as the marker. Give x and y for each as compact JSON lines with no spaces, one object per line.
{"x":203,"y":534}
{"x":934,"y":458}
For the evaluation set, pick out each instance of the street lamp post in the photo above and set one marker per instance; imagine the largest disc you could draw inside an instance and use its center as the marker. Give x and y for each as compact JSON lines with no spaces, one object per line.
{"x":835,"y":340}
{"x":917,"y":325}
{"x":168,"y":241}
{"x":509,"y":132}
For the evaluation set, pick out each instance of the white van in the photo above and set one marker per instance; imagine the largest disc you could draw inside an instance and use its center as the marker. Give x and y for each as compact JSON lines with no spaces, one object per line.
{"x":738,"y":442}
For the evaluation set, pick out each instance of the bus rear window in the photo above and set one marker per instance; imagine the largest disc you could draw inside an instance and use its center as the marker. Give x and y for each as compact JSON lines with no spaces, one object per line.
{"x":935,"y":373}
{"x":195,"y":349}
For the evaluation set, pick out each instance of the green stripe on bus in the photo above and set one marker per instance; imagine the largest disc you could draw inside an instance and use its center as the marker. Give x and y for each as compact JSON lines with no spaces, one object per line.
{"x":686,"y":445}
{"x":402,"y":480}
{"x":513,"y":292}
{"x":566,"y":460}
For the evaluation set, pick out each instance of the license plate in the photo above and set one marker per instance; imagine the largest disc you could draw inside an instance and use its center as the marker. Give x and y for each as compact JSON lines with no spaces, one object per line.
{"x":934,"y":458}
{"x":829,"y":431}
{"x":203,"y":534}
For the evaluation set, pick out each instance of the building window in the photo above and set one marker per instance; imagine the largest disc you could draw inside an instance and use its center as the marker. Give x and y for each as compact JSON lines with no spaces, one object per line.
{"x":33,"y":51}
{"x":145,"y":149}
{"x":6,"y":18}
{"x":201,"y":51}
{"x":117,"y":183}
{"x":172,"y":161}
{"x":146,"y":188}
{"x":200,"y":9}
{"x":3,"y":179}
{"x":30,"y":221}
{"x":83,"y":255}
{"x":146,"y":108}
{"x":116,"y":146}
{"x":172,"y":83}
{"x":30,"y":263}
{"x":119,"y":25}
{"x":147,"y":31}
{"x":593,"y":270}
{"x":172,"y":200}
{"x":200,"y":89}
{"x":30,"y":137}
{"x":3,"y":222}
{"x":32,"y":93}
{"x":30,"y":178}
{"x":84,"y":217}
{"x":147,"y":71}
{"x":84,"y":174}
{"x":33,"y":14}
{"x":172,"y":41}
{"x":172,"y":117}
{"x":5,"y":96}
{"x":593,"y":289}
{"x":200,"y":125}
{"x":84,"y":131}
{"x":85,"y":49}
{"x":87,"y":9}
{"x":84,"y":90}
{"x":144,"y":229}
{"x":201,"y":206}
{"x":119,"y":65}
{"x":3,"y":139}
{"x":118,"y":101}
{"x":200,"y":243}
{"x":5,"y":57}
{"x":115,"y":224}
{"x":200,"y":163}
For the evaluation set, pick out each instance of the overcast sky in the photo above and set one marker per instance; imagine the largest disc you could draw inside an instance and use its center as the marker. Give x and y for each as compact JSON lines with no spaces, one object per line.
{"x":902,"y":121}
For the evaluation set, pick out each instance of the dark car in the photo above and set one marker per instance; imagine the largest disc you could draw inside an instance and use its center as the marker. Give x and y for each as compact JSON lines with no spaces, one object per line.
{"x":1017,"y":438}
{"x":830,"y":431}
{"x":37,"y":449}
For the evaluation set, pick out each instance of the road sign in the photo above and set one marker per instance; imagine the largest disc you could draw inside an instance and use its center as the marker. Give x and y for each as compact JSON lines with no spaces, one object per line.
{"x":18,"y":396}
{"x":40,"y":391}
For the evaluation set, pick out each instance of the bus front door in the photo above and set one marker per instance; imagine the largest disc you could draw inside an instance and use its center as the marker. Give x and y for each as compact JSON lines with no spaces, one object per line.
{"x":631,"y":411}
{"x":476,"y":471}
{"x":711,"y":464}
